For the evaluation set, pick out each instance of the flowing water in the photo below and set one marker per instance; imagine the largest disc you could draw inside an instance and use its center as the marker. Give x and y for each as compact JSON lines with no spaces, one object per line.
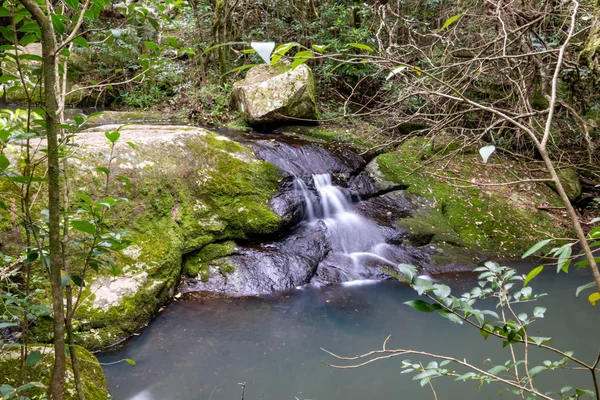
{"x":351,"y":235}
{"x":202,"y":349}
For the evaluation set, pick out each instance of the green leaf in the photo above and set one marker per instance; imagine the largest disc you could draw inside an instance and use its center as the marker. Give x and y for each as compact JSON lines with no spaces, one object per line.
{"x":4,"y":163}
{"x":584,"y":392}
{"x":536,"y":370}
{"x":301,"y":57}
{"x":4,"y":12}
{"x":319,"y":48}
{"x":584,"y":287}
{"x":130,"y":361}
{"x":33,"y":358}
{"x":536,"y":247}
{"x":125,"y":180}
{"x":408,"y":271}
{"x":173,"y":42}
{"x":28,"y":39}
{"x":241,"y":68}
{"x":281,"y":50}
{"x":532,"y":274}
{"x":7,"y":324}
{"x":538,"y":340}
{"x":112,"y":136}
{"x":450,"y":21}
{"x":450,"y":316}
{"x":395,"y":71}
{"x":74,"y":4}
{"x":361,"y":46}
{"x":151,"y":46}
{"x":422,"y":285}
{"x":84,"y":226}
{"x":497,"y":369}
{"x":31,"y":258}
{"x":564,"y":259}
{"x":422,"y":306}
{"x":441,"y":290}
{"x":57,"y":23}
{"x":103,"y":170}
{"x":80,"y":41}
{"x":468,"y":375}
{"x":131,"y":144}
{"x":539,"y":312}
{"x":30,"y":385}
{"x":77,"y":280}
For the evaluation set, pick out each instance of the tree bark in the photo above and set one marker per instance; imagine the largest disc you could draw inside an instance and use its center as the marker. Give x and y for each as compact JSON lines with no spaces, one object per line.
{"x":49,"y":60}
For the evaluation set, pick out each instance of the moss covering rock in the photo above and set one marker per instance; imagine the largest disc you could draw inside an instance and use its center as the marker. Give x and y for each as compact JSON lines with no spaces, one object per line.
{"x":272,"y":94}
{"x":464,"y":206}
{"x":569,"y":178}
{"x":187,"y":188}
{"x":92,"y":376}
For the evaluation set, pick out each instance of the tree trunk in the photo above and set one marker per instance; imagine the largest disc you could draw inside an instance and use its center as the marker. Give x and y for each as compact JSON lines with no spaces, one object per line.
{"x":49,"y":60}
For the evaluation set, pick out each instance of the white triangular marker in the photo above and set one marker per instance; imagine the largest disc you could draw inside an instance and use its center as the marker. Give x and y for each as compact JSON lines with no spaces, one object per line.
{"x":264,"y":50}
{"x":486,"y":152}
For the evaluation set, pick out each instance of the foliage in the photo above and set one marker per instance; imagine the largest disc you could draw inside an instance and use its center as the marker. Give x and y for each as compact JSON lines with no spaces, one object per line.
{"x":517,"y":374}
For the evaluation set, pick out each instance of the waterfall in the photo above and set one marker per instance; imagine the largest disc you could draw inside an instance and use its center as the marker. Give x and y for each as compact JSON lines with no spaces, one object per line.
{"x":352,"y":235}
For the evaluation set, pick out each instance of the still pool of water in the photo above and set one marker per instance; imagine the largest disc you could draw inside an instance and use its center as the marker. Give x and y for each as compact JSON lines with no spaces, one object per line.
{"x":203,"y":349}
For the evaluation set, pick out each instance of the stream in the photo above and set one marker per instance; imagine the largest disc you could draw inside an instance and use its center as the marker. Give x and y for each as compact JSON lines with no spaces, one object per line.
{"x":203,"y":348}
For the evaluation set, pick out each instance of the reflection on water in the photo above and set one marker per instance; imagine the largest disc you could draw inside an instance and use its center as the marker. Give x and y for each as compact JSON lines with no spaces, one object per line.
{"x":203,"y":349}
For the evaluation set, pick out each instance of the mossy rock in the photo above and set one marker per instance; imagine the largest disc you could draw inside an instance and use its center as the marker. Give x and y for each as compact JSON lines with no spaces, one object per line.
{"x":569,"y":178}
{"x":497,"y":220}
{"x":196,"y":263}
{"x":92,"y":376}
{"x":187,"y":188}
{"x":272,"y":94}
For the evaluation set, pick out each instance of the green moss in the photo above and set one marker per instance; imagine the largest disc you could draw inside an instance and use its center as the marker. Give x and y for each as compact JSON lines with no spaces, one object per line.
{"x":197,"y":262}
{"x":92,"y":376}
{"x":501,"y":220}
{"x":360,"y":142}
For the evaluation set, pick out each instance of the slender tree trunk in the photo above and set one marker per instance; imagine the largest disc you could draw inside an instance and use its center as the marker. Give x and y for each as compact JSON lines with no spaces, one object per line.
{"x":49,"y":60}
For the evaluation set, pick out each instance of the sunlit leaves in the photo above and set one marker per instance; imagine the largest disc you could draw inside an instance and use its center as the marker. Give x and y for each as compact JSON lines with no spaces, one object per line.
{"x":301,"y":57}
{"x":361,"y":46}
{"x":532,"y":274}
{"x":281,"y":50}
{"x":536,"y":247}
{"x":593,"y":298}
{"x":450,"y":21}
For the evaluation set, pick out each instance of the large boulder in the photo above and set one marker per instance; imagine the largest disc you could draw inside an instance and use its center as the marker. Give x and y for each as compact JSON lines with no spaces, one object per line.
{"x":187,"y":188}
{"x":273,"y":94}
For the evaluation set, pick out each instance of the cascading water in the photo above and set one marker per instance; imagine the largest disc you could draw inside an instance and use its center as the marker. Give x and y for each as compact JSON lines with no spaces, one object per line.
{"x":351,"y":235}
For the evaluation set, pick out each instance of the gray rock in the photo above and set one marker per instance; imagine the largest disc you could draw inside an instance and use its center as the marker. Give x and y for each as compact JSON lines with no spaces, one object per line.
{"x":272,"y":94}
{"x":274,"y":267}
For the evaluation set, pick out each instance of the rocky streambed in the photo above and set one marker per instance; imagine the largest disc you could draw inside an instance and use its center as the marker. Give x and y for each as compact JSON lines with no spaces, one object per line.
{"x":239,"y":214}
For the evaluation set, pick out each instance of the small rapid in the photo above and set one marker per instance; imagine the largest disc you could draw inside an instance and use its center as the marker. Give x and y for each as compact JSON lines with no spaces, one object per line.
{"x":351,"y":235}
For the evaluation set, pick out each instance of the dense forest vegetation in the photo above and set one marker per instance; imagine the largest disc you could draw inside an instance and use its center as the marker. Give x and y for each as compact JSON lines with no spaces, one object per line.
{"x":523,"y":77}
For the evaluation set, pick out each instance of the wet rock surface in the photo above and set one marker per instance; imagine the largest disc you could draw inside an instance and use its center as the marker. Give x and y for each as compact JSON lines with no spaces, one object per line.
{"x":332,"y":235}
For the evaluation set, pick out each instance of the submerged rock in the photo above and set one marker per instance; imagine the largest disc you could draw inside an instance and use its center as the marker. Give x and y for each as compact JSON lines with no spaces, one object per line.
{"x":273,"y":94}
